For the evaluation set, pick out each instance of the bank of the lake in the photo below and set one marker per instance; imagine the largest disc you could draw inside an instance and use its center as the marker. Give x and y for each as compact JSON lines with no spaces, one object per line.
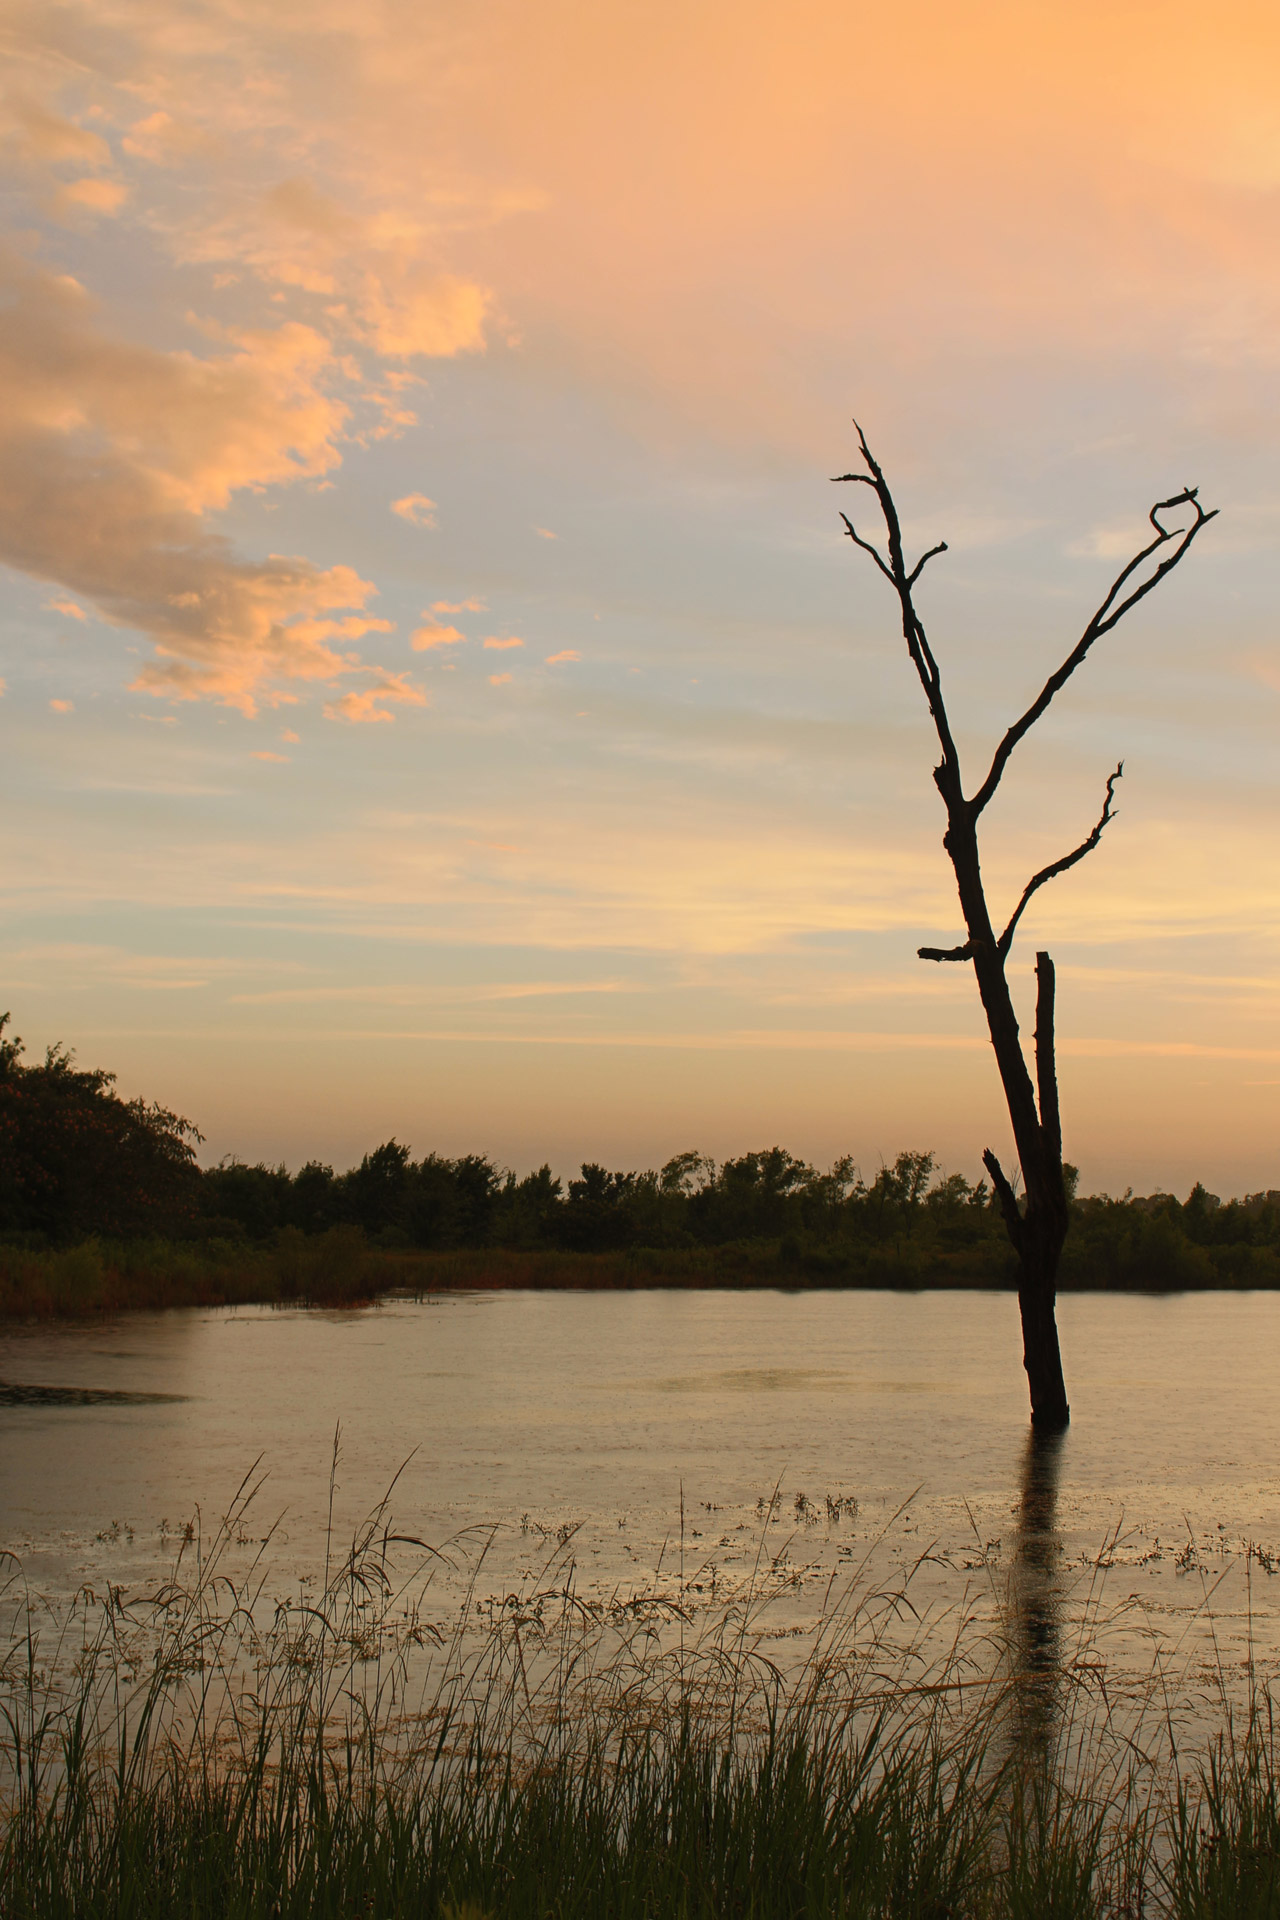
{"x":1117,"y":1247}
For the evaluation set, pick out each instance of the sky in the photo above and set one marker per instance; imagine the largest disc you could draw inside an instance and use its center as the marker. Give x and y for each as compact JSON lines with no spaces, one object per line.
{"x":439,"y":698}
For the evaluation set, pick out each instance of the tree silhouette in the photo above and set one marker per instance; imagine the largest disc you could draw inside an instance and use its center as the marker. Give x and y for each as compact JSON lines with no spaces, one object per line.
{"x":1038,"y":1228}
{"x":76,"y":1159}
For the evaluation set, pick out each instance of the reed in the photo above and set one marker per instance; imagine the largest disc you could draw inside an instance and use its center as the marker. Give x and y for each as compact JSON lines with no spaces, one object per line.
{"x":212,"y":1749}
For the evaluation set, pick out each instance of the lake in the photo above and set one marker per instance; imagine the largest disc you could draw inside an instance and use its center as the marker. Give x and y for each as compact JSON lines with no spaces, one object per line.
{"x":701,"y":1439}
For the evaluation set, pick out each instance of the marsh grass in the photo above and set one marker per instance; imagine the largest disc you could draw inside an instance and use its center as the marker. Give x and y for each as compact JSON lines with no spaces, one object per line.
{"x":386,"y":1748}
{"x":332,"y":1269}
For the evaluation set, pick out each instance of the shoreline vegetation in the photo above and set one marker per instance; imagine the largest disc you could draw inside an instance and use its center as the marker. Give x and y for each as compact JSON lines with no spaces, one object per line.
{"x":208,"y":1748}
{"x":104,"y":1207}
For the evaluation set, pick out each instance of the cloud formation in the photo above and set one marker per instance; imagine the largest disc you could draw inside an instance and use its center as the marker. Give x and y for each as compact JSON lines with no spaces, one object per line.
{"x":497,"y":644}
{"x":112,"y":454}
{"x":433,"y":633}
{"x":116,"y":456}
{"x":416,"y":509}
{"x":367,"y":705}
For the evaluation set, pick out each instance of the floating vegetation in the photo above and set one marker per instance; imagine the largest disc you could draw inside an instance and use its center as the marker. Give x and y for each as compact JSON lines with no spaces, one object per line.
{"x":230,"y":1742}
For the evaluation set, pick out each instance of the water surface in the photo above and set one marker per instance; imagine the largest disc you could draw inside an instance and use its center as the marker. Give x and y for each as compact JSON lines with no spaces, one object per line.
{"x":654,"y":1429}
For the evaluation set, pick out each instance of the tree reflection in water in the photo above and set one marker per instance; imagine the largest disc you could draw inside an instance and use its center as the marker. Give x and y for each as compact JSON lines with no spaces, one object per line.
{"x":1035,"y":1597}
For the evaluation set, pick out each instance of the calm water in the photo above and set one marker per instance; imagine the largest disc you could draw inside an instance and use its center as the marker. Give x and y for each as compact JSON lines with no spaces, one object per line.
{"x":533,"y":1414}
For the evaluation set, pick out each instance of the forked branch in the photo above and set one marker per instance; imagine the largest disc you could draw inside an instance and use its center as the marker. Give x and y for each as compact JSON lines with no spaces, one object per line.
{"x":1006,"y":1196}
{"x":1109,"y":614}
{"x":902,"y":581}
{"x":1051,"y":872}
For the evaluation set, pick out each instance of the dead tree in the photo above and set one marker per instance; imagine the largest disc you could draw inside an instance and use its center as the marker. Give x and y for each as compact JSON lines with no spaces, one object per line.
{"x":1037,"y":1227}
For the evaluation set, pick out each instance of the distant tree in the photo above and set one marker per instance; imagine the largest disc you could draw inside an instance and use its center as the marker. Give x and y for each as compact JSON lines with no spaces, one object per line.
{"x":478,"y":1182}
{"x":1038,"y":1227}
{"x":758,"y":1195}
{"x":237,"y":1198}
{"x":315,"y":1203}
{"x":376,"y":1193}
{"x":529,"y":1210}
{"x":434,"y":1215}
{"x":598,"y":1216}
{"x":76,"y":1159}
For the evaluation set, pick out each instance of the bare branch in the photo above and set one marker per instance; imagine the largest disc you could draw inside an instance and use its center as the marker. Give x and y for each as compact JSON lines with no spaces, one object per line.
{"x":1046,"y":1066}
{"x":1108,"y":615}
{"x":1007,"y":1197}
{"x":923,"y":561}
{"x":867,"y":547}
{"x":946,"y":953}
{"x":1060,"y":866}
{"x":918,"y":648}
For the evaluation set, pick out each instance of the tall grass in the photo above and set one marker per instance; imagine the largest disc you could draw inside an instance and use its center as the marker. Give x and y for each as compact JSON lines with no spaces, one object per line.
{"x":216,"y":1750}
{"x":336,"y":1268}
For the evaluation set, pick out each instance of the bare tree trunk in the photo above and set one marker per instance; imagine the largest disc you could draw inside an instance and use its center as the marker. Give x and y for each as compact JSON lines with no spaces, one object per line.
{"x":1038,"y":1227}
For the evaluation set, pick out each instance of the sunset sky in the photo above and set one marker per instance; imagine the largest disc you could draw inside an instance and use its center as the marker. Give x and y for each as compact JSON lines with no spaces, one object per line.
{"x":439,"y":698}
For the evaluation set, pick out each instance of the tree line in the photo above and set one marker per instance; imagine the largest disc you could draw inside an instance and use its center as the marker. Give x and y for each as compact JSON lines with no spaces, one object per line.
{"x":79,"y":1162}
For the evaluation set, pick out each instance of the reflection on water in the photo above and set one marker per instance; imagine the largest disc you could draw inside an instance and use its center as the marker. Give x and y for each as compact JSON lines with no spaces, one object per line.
{"x":34,"y":1396}
{"x":1036,"y":1597}
{"x":610,"y":1419}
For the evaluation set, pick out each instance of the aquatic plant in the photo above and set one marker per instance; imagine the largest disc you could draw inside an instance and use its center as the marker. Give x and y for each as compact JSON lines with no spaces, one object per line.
{"x":215,"y":1748}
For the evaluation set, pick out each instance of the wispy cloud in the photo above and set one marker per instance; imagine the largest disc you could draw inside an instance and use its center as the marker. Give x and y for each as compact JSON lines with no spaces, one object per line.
{"x":90,"y":196}
{"x":413,"y":994}
{"x":434,"y":634}
{"x":416,"y":509}
{"x":369,"y":704}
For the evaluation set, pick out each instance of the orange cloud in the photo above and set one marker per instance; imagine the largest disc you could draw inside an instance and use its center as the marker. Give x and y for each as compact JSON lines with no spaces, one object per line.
{"x":375,"y":268}
{"x":416,"y":509}
{"x":111,"y":455}
{"x":499,"y":679}
{"x":290,"y":736}
{"x":408,"y":312}
{"x":90,"y":196}
{"x":433,"y":634}
{"x":281,"y":759}
{"x":243,"y":668}
{"x":545,"y":533}
{"x":459,"y":606}
{"x":38,"y":136}
{"x":367,"y":705}
{"x":556,"y":659}
{"x":69,"y":607}
{"x":495,"y":645}
{"x":62,"y":706}
{"x":162,"y":141}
